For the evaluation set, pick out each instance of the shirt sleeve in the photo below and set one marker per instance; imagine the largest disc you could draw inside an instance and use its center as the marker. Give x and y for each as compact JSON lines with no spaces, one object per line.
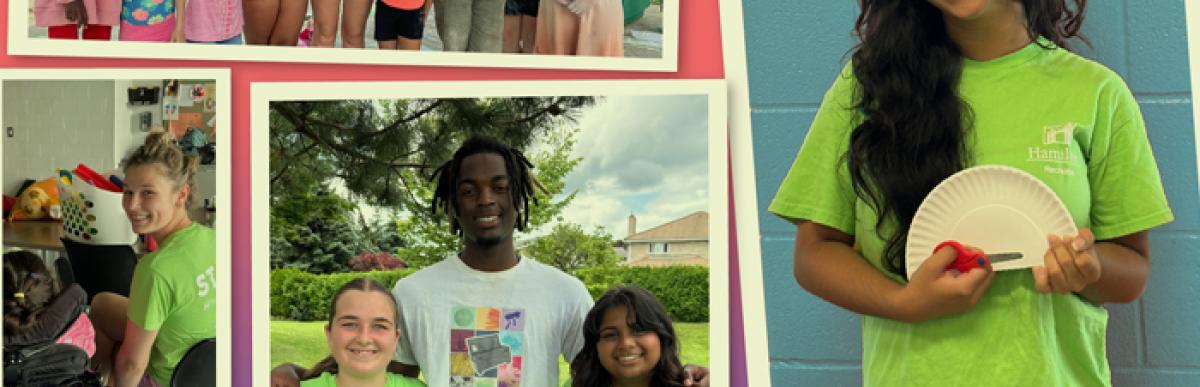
{"x":817,"y":187}
{"x":149,"y":298}
{"x":1127,"y":192}
{"x":572,"y":340}
{"x":404,"y":346}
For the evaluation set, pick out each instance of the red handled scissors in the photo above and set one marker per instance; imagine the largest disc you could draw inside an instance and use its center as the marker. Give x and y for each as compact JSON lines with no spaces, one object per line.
{"x":970,"y":259}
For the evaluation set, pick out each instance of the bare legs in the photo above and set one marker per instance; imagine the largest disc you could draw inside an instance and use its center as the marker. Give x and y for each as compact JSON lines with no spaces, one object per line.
{"x":512,"y":34}
{"x":528,"y":33}
{"x":519,"y":32}
{"x":273,"y":22}
{"x":354,"y":15}
{"x":400,"y":44}
{"x":325,"y":22}
{"x":354,"y":22}
{"x":108,"y":317}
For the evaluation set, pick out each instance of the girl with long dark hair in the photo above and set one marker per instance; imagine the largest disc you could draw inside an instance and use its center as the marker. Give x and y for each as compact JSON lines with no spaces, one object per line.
{"x":628,"y":341}
{"x":937,"y":86}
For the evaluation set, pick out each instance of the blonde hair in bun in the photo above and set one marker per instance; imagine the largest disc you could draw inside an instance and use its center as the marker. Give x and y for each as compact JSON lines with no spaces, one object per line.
{"x":177,"y":166}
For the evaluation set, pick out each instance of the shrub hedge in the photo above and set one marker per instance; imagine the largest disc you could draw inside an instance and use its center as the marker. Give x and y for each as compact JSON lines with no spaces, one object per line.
{"x":683,"y":290}
{"x":298,"y":295}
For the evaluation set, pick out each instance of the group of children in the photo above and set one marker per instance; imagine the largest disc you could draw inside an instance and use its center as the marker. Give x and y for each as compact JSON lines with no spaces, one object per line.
{"x":556,"y":27}
{"x":628,"y":341}
{"x":179,"y":21}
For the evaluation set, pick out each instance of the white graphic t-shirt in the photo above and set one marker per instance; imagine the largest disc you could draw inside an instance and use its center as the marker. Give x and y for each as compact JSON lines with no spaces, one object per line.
{"x":465,"y":327}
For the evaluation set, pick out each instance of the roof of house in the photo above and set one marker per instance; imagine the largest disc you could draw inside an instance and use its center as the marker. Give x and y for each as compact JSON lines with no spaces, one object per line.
{"x":691,"y":227}
{"x":692,"y":260}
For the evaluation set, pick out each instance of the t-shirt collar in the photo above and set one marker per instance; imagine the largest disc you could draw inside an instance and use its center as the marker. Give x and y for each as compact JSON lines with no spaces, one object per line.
{"x":458,"y":262}
{"x":1012,"y":59}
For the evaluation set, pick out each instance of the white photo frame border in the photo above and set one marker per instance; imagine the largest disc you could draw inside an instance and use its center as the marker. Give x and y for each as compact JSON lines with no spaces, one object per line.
{"x":19,"y":43}
{"x":718,"y":185}
{"x":224,"y":168}
{"x":749,"y":250}
{"x":1192,"y":9}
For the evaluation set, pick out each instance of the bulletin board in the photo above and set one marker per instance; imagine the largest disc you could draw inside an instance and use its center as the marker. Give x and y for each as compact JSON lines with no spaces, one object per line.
{"x":190,"y":103}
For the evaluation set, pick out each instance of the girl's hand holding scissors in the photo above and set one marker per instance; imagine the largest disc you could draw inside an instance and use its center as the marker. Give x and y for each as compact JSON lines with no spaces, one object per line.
{"x":934,"y":292}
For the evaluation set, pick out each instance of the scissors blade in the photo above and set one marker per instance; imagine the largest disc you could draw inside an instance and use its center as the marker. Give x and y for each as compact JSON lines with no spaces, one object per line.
{"x":1003,"y":257}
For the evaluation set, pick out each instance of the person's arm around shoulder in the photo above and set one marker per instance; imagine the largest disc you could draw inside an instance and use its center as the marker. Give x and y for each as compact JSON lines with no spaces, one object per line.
{"x":826,"y":265}
{"x":404,"y":345}
{"x":133,"y":356}
{"x":407,"y":370}
{"x":400,"y":380}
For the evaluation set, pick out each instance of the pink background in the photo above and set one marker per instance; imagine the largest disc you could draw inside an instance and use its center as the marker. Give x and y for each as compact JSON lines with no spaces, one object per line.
{"x":699,"y":58}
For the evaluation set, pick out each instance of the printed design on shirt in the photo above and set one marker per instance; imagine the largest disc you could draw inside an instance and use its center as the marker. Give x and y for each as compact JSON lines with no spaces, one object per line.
{"x":205,"y":284}
{"x":1055,"y":149}
{"x":146,"y":12}
{"x":487,"y":345}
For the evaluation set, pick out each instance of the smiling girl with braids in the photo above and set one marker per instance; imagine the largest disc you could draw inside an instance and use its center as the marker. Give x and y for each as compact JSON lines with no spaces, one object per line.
{"x":932,"y":88}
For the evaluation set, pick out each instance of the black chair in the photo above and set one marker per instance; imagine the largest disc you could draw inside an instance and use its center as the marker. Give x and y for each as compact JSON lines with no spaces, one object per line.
{"x":66,"y":276}
{"x":198,"y":368}
{"x":101,"y":268}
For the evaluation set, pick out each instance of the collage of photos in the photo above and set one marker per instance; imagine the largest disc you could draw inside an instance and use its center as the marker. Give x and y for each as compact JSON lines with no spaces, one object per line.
{"x":635,"y":34}
{"x":600,"y":193}
{"x":115,"y":260}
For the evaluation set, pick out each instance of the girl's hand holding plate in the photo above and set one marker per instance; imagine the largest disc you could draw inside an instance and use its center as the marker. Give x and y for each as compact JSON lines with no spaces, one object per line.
{"x":1070,"y":265}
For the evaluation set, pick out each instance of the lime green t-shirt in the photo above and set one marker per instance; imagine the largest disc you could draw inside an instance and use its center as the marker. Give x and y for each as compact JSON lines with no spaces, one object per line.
{"x":174,"y":292}
{"x":393,"y":380}
{"x":1067,"y":120}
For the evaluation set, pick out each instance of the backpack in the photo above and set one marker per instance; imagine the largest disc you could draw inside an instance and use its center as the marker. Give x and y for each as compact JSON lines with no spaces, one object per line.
{"x":34,"y":358}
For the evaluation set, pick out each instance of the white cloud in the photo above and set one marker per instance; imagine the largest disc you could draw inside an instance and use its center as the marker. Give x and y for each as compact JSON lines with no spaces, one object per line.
{"x":646,"y":155}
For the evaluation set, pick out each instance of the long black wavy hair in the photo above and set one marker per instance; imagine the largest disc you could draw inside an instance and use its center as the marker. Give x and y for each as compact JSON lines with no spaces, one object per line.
{"x":915,"y":124}
{"x":643,"y":314}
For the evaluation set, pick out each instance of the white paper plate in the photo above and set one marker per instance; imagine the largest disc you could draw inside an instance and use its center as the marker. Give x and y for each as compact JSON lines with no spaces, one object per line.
{"x":997,"y":209}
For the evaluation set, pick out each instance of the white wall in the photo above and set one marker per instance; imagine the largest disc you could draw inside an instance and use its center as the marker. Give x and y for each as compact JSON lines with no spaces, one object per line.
{"x":57,"y":124}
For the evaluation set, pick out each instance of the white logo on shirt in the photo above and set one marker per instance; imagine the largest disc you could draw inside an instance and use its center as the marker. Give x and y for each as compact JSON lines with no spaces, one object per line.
{"x":1060,"y":135}
{"x":1055,"y":148}
{"x":205,"y":281}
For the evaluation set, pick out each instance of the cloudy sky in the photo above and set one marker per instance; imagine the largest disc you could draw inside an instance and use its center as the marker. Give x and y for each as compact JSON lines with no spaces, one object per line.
{"x":646,"y":155}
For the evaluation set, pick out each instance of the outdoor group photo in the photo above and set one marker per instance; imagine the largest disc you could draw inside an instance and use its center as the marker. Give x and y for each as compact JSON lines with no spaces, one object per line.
{"x":490,"y":241}
{"x":599,"y":28}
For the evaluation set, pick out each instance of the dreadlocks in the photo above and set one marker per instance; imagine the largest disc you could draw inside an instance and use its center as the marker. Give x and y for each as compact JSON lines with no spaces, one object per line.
{"x":515,"y":164}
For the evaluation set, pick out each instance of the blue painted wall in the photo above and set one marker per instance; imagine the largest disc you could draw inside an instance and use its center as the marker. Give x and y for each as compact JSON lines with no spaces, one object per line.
{"x":795,"y":48}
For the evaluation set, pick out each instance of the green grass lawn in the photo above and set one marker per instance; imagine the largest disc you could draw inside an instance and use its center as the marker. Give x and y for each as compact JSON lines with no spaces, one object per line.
{"x":303,"y":343}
